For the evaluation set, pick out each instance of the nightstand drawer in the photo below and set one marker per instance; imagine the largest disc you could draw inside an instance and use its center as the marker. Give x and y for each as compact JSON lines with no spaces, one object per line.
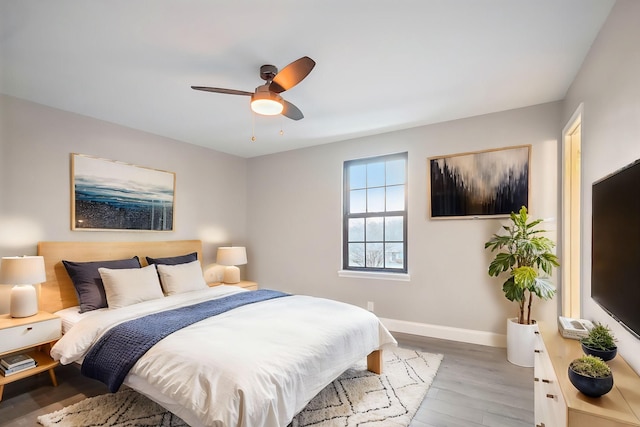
{"x":29,"y":335}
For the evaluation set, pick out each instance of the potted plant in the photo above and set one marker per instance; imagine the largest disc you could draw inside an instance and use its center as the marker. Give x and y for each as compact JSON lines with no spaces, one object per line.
{"x":591,"y":375}
{"x":527,"y":257}
{"x":600,"y":342}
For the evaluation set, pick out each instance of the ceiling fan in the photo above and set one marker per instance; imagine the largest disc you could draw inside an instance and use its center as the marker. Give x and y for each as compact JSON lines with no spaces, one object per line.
{"x":266,"y":99}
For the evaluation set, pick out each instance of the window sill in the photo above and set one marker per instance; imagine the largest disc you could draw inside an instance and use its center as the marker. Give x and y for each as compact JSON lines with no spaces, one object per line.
{"x":400,"y":277}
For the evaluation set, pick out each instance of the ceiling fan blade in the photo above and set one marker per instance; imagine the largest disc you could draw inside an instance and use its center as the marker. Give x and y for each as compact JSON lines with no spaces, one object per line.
{"x":222,"y":90}
{"x":292,"y":74}
{"x":291,"y":111}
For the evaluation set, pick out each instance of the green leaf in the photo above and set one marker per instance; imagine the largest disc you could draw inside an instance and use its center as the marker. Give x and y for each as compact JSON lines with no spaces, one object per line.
{"x":525,"y":277}
{"x":534,"y":223}
{"x":502,"y":262}
{"x":512,"y":291}
{"x":543,"y":288}
{"x":497,"y":242}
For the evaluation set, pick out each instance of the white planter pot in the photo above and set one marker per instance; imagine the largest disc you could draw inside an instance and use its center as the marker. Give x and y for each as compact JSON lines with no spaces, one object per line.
{"x":521,"y":341}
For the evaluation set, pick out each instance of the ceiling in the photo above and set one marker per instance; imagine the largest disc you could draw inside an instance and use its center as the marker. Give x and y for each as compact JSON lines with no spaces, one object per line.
{"x":381,"y":65}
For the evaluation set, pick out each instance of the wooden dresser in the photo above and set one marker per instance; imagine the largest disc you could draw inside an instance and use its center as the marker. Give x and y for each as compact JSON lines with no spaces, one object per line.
{"x":558,"y":403}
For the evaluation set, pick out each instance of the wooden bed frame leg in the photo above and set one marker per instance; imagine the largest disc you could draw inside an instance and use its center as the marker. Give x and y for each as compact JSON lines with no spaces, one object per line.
{"x":374,"y":362}
{"x":52,"y":375}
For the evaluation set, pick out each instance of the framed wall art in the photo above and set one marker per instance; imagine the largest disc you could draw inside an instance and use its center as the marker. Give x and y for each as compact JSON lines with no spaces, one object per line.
{"x":490,"y":183}
{"x":112,"y":195}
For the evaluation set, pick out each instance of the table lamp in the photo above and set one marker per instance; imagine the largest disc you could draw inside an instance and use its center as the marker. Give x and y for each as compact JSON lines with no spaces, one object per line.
{"x":231,"y":256}
{"x":23,"y":272}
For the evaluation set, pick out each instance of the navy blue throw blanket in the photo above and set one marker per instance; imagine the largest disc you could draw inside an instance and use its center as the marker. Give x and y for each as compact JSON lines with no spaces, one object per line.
{"x":115,"y":353}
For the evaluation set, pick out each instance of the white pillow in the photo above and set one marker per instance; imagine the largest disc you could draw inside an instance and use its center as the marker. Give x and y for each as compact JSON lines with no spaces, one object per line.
{"x":180,"y":278}
{"x":128,"y":286}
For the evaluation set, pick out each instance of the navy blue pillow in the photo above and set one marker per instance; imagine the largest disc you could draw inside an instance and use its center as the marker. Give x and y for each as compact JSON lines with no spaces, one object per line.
{"x":86,"y":279}
{"x":174,"y":260}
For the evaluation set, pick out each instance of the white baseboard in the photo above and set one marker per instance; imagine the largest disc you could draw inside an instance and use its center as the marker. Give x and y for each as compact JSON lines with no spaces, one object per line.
{"x":446,"y":332}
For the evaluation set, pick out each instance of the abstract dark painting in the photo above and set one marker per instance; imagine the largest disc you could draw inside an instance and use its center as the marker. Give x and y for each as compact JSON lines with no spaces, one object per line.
{"x":484,"y":183}
{"x":111,"y":195}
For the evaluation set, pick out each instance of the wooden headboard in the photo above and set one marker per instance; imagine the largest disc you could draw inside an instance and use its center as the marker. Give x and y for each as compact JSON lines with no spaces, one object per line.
{"x":58,"y":291}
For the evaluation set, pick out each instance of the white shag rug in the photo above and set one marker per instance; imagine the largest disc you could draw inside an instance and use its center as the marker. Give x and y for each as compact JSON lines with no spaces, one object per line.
{"x":357,"y":397}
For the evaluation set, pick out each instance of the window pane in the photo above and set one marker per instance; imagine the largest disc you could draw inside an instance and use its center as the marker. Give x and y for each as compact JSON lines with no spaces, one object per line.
{"x":374,"y":229}
{"x":394,"y":256}
{"x":393,"y":228}
{"x":375,"y":255}
{"x":375,"y":220}
{"x":356,"y":254}
{"x":395,"y":198}
{"x":358,"y":201}
{"x":375,"y":174}
{"x":356,"y":229}
{"x":357,"y":176}
{"x":395,"y":172}
{"x":375,"y":199}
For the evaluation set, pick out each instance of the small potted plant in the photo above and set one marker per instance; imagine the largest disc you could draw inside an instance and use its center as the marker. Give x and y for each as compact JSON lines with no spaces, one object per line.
{"x":600,"y":342}
{"x":526,"y":257}
{"x":591,"y":376}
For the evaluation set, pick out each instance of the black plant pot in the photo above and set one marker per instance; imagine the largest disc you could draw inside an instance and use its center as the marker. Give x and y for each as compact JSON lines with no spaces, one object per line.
{"x":592,"y":387}
{"x":605,"y":355}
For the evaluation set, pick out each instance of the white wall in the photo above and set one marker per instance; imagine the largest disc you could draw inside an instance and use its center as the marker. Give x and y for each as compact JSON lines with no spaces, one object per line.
{"x":294,"y":217}
{"x":35,"y":147}
{"x":609,"y":86}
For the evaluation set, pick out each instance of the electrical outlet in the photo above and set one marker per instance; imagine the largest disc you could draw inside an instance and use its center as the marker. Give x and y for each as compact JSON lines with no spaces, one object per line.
{"x":370,"y":306}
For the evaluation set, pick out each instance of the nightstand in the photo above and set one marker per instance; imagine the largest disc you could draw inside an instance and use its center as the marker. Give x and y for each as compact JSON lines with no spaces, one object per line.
{"x":252,"y":286}
{"x":33,"y":335}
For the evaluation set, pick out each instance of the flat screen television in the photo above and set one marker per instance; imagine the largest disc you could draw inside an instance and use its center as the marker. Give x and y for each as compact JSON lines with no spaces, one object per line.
{"x":615,"y":246}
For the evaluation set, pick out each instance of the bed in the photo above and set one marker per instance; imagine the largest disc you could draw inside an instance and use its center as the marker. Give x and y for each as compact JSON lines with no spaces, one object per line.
{"x":256,"y":365}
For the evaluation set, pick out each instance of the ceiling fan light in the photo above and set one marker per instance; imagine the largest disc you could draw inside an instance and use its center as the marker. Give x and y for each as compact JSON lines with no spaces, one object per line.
{"x":267,"y":103}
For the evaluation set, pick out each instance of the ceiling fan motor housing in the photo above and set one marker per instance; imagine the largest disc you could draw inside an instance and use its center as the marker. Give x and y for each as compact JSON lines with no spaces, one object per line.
{"x":268,"y":72}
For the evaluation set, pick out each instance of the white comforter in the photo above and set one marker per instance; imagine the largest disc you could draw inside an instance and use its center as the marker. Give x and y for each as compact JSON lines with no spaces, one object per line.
{"x":254,"y":366}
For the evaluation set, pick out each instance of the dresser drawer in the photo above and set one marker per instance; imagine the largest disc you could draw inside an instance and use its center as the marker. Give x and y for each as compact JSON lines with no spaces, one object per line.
{"x":29,"y":335}
{"x":549,"y":405}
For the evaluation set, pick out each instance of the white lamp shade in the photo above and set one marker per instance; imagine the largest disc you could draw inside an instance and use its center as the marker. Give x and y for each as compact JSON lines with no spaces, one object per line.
{"x":23,"y":272}
{"x":231,"y":256}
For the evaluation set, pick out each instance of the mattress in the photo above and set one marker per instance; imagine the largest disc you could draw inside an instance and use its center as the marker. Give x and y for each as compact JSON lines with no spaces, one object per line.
{"x":254,"y":366}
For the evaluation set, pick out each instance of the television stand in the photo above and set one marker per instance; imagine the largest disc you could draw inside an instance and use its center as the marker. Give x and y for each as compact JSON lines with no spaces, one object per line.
{"x":559,"y":403}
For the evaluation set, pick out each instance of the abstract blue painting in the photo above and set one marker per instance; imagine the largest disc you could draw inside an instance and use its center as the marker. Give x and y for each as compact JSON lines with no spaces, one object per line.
{"x":112,"y":195}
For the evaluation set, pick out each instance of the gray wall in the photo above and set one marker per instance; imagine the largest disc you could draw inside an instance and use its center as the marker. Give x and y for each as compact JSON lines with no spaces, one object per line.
{"x":608,"y":85}
{"x":292,"y":202}
{"x":295,"y":207}
{"x":36,"y":143}
{"x":3,"y":120}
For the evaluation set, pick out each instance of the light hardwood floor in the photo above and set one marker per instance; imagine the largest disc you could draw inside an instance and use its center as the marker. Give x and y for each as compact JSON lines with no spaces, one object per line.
{"x":475,"y":386}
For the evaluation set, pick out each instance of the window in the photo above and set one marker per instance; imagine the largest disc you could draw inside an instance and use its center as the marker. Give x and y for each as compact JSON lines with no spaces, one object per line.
{"x":375,"y":214}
